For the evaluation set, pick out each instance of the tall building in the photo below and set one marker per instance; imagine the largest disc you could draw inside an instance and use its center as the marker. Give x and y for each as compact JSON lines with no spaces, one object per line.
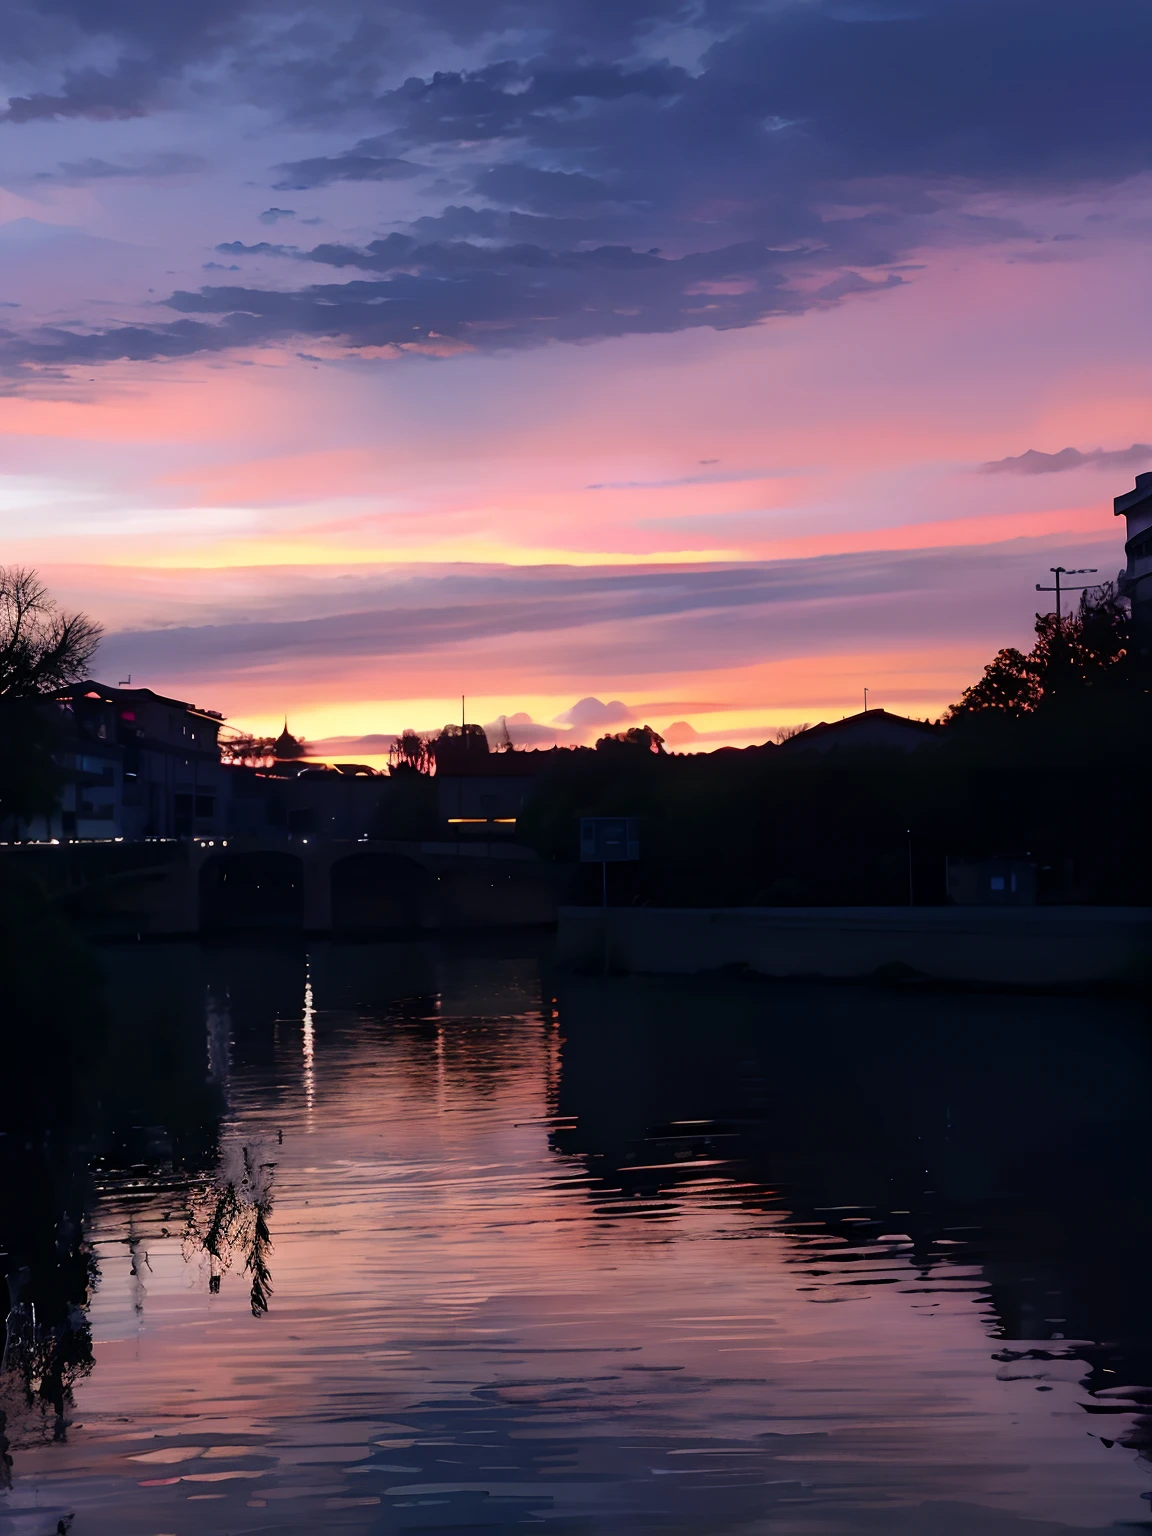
{"x":135,"y":764}
{"x":1136,"y":578}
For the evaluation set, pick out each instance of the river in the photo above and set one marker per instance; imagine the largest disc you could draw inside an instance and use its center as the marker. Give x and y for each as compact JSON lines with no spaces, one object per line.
{"x":389,"y":1237}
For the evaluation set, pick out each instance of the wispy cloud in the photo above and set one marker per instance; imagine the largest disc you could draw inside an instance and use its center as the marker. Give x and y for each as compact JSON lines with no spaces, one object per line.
{"x":154,"y":166}
{"x":349,"y":747}
{"x":733,"y":477}
{"x":678,"y":619}
{"x":365,"y":162}
{"x":1034,"y":462}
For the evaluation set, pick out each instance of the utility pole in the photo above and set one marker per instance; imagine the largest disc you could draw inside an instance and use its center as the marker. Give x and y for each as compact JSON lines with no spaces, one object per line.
{"x":865,"y":701}
{"x":1058,"y":571}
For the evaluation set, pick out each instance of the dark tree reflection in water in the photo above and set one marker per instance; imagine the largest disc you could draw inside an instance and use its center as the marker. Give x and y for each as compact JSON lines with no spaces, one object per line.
{"x":605,"y":1255}
{"x":47,"y":1346}
{"x":229,"y":1216}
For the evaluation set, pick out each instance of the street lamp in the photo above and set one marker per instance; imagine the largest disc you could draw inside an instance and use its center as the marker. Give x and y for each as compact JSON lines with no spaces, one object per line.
{"x":1060,"y":570}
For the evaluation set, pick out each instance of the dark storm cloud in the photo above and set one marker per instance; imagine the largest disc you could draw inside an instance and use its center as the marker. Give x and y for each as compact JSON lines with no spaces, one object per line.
{"x":103,"y":97}
{"x":599,"y":186}
{"x":1034,"y":463}
{"x":970,"y":87}
{"x":507,"y":297}
{"x":260,"y":248}
{"x":427,"y":296}
{"x":310,"y":60}
{"x":57,"y":347}
{"x":513,"y":99}
{"x":152,"y":46}
{"x":364,"y":162}
{"x":546,"y":191}
{"x":992,"y":89}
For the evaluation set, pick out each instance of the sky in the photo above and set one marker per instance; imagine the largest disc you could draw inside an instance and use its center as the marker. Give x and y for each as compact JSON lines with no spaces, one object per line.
{"x":602,"y":361}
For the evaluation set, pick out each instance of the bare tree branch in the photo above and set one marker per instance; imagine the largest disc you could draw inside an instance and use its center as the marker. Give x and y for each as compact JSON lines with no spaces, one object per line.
{"x":41,"y":648}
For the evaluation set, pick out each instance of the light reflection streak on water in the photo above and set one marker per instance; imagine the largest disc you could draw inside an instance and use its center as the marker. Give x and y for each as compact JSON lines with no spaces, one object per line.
{"x":309,"y":1043}
{"x":467,"y":1310}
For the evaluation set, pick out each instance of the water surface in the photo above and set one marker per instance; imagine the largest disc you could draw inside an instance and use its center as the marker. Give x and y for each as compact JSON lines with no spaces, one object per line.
{"x":376,"y":1238}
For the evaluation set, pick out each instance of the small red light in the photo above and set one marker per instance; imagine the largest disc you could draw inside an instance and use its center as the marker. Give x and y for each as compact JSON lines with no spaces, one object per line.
{"x":127,"y":714}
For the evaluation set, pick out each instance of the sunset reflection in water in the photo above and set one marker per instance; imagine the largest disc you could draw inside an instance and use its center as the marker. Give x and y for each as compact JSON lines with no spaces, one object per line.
{"x":446,"y":1242}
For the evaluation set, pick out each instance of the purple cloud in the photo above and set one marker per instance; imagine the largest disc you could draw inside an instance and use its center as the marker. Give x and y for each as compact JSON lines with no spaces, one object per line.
{"x":1033,"y":462}
{"x":585,"y":186}
{"x":593,"y":712}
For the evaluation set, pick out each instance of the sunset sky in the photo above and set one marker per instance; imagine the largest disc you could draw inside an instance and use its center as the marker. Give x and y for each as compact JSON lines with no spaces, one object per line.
{"x":707,"y":360}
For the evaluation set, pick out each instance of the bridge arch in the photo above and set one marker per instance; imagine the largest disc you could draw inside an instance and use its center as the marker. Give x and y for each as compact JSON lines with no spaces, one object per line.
{"x":251,"y":889}
{"x":376,"y":892}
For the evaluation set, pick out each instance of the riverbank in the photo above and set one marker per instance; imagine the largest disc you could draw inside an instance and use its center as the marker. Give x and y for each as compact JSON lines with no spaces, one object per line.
{"x":1022,"y":946}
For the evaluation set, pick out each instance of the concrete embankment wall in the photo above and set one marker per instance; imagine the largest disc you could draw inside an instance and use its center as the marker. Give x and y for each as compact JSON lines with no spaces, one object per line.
{"x":1023,"y":946}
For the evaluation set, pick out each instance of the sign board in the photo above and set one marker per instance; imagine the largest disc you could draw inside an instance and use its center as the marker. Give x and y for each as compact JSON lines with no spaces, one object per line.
{"x":609,"y":839}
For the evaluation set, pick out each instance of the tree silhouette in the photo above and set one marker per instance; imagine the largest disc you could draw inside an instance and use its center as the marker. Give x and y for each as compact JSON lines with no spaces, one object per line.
{"x":638,"y":738}
{"x":410,"y":751}
{"x":458,"y":745}
{"x":41,"y":648}
{"x":1079,"y":651}
{"x":250,"y":751}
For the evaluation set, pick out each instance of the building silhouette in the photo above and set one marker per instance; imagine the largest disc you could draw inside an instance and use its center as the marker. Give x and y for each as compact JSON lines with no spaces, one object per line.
{"x":1136,"y":578}
{"x":135,"y":764}
{"x":869,"y":728}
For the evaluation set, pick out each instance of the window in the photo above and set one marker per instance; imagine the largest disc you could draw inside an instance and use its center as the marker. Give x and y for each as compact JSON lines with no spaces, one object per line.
{"x":205,"y":806}
{"x":997,"y":882}
{"x":91,"y":812}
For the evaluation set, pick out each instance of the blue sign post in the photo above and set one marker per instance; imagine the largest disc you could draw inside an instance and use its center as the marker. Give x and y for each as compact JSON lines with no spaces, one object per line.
{"x":608,"y":840}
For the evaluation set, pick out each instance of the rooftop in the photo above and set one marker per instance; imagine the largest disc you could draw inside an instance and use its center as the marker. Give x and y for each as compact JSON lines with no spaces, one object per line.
{"x":880,"y":721}
{"x":1135,"y":498}
{"x":106,"y":694}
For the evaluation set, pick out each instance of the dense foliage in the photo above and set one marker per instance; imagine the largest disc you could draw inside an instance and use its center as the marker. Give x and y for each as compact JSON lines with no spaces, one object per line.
{"x":1089,"y":649}
{"x":1042,"y":758}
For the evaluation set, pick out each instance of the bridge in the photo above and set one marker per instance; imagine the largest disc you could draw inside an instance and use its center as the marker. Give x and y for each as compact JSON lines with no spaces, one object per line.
{"x":167,"y":888}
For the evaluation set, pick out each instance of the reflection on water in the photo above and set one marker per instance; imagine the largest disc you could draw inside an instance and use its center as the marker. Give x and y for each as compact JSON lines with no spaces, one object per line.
{"x":382,"y":1238}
